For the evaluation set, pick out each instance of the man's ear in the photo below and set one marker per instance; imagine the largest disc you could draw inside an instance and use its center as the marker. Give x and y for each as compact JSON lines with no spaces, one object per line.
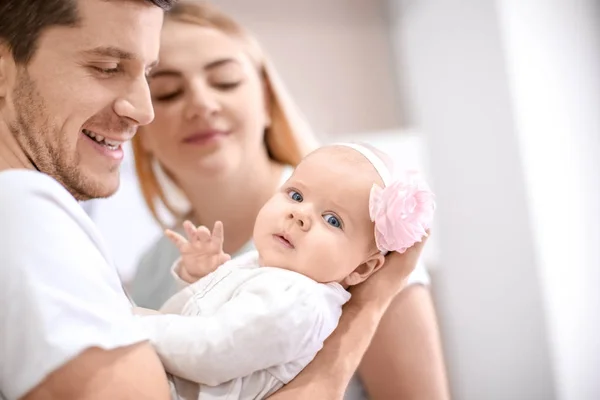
{"x":364,"y":270}
{"x":5,"y":58}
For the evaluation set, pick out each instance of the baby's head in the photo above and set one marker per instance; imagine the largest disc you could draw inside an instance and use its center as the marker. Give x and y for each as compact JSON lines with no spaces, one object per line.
{"x":321,"y":221}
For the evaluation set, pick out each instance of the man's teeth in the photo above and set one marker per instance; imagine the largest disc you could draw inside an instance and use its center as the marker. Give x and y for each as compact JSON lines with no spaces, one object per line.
{"x":111,"y":144}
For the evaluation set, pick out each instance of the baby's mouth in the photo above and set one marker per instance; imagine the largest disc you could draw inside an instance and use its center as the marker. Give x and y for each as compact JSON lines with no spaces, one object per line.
{"x":284,"y":240}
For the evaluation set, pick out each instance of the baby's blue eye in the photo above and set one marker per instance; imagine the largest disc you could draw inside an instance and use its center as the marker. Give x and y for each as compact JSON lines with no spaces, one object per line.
{"x":295,"y":196}
{"x":333,"y":220}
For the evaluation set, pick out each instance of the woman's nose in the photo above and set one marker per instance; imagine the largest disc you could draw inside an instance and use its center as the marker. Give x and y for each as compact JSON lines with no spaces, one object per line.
{"x":202,"y":103}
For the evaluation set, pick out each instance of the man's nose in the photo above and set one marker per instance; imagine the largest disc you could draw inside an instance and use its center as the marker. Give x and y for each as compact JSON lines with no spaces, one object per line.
{"x":136,"y":104}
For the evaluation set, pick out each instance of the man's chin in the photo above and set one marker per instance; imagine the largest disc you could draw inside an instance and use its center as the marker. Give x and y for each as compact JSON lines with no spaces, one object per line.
{"x":85,"y":194}
{"x":95,"y":187}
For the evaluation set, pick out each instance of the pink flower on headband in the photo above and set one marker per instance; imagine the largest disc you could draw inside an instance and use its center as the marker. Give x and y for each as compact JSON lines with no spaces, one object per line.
{"x":402,"y":213}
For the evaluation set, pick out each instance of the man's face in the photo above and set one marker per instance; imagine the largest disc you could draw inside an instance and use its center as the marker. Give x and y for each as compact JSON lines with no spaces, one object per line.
{"x":84,"y":93}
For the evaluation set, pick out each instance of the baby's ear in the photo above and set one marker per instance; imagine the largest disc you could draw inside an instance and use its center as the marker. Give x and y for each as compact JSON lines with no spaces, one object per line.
{"x":364,"y":270}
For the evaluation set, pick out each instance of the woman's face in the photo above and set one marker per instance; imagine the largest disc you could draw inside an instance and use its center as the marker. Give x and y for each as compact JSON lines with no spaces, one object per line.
{"x":209,"y":103}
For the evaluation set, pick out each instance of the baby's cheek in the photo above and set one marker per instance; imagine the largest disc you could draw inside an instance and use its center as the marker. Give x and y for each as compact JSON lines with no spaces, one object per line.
{"x":319,"y":265}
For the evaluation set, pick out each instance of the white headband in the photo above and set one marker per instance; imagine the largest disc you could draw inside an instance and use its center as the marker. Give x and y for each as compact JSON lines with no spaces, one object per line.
{"x":399,"y":223}
{"x":380,"y":167}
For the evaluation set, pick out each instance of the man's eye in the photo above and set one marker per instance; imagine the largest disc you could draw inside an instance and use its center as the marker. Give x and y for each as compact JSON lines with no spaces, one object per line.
{"x":333,"y":220}
{"x":107,"y":71}
{"x":295,"y":196}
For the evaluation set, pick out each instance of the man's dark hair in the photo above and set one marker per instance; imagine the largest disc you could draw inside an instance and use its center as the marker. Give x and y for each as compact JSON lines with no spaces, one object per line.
{"x":23,"y":21}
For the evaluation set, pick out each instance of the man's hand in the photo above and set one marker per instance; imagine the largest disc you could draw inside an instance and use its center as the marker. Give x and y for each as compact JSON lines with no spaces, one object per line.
{"x":385,"y":284}
{"x":201,"y":253}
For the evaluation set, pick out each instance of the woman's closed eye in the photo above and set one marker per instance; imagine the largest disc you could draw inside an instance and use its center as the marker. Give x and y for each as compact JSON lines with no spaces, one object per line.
{"x":168,"y":96}
{"x":227,"y":76}
{"x":227,"y":85}
{"x":333,"y":220}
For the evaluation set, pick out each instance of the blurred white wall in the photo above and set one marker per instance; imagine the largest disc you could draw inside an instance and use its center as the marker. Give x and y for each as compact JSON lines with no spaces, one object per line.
{"x":506,"y":94}
{"x":487,"y":288}
{"x":553,"y":58}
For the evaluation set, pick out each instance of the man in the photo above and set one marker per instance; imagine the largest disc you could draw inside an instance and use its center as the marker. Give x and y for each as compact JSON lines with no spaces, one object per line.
{"x":72,"y":90}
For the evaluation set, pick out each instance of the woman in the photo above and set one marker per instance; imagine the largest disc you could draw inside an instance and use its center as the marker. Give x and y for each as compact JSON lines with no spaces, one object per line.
{"x":223,"y":140}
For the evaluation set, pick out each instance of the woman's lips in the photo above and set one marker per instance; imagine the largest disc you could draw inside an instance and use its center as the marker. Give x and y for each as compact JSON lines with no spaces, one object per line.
{"x":205,"y":137}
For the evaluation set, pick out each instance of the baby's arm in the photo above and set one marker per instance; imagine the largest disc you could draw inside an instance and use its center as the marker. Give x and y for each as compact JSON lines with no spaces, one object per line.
{"x":201,"y":253}
{"x":266,"y":324}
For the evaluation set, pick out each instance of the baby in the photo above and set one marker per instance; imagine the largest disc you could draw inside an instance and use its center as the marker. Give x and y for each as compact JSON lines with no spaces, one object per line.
{"x":243,"y":328}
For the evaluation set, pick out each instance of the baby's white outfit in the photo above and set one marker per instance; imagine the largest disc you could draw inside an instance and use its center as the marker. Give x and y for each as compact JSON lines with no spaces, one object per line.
{"x":243,"y":331}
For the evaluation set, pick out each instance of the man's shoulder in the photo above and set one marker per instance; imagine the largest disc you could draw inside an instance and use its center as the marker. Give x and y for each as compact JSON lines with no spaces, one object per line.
{"x":26,"y":178}
{"x":43,"y":225}
{"x":33,"y":197}
{"x":19,"y":186}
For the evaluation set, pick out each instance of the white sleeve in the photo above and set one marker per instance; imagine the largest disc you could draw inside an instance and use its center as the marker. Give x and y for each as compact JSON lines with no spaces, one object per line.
{"x":175,"y":274}
{"x":264,"y":325}
{"x":249,"y":260}
{"x":175,"y":303}
{"x":58,"y":293}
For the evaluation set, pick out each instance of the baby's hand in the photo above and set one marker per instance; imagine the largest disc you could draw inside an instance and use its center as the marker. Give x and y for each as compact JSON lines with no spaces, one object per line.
{"x":201,"y":253}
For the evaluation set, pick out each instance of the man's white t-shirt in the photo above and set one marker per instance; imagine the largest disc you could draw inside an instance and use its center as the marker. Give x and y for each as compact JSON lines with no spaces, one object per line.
{"x":60,"y":294}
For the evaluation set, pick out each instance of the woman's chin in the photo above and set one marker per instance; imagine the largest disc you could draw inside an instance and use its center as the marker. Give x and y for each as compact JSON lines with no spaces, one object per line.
{"x":212,"y":167}
{"x":222,"y":162}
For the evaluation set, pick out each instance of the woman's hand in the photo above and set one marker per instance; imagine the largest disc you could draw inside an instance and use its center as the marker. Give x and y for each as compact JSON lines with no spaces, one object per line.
{"x":405,"y":358}
{"x":385,"y":284}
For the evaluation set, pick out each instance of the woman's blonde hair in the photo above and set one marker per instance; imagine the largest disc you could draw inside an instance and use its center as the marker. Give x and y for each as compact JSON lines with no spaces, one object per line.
{"x":288,"y":138}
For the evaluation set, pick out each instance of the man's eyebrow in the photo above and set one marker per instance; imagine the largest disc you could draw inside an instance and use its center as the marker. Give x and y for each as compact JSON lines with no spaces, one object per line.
{"x":115,"y":52}
{"x":110,"y":51}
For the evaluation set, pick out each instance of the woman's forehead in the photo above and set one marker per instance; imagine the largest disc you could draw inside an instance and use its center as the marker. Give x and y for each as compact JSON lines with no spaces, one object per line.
{"x":182,"y":41}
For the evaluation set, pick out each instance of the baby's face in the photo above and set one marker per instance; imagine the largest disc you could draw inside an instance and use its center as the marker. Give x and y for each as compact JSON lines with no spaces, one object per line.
{"x":318,"y":223}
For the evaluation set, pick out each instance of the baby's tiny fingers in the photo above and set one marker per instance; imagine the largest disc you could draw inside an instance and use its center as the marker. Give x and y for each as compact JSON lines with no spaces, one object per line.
{"x":203,"y":234}
{"x":178,"y":240}
{"x":190,"y":230}
{"x":218,"y":231}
